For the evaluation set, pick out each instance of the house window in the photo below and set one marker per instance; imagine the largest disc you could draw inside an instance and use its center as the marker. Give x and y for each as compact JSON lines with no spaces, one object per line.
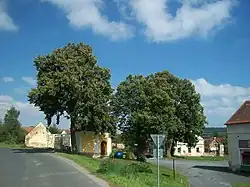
{"x":244,"y":143}
{"x":189,"y":150}
{"x":179,"y":150}
{"x":197,"y":149}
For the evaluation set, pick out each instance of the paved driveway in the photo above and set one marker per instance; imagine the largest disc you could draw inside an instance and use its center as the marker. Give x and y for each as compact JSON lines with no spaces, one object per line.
{"x":206,"y":173}
{"x":33,"y":168}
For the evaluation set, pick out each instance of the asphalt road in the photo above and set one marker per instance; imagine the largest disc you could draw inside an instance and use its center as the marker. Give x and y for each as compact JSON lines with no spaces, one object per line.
{"x":20,"y":168}
{"x":207,"y":173}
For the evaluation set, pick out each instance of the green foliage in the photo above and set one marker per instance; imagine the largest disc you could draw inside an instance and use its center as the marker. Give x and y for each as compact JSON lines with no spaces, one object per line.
{"x":130,"y":155}
{"x":112,"y":154}
{"x":141,"y":167}
{"x":141,"y":158}
{"x":10,"y":129}
{"x":70,"y":83}
{"x":158,"y":103}
{"x":53,"y":129}
{"x":117,"y":138}
{"x":112,"y":166}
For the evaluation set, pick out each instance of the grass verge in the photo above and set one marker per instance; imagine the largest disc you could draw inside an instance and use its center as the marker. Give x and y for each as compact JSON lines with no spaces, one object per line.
{"x":15,"y":146}
{"x":241,"y":185}
{"x":132,"y":179}
{"x":205,"y":158}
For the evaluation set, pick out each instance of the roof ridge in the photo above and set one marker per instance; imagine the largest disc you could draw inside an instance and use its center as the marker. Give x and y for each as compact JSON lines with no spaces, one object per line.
{"x":242,"y":114}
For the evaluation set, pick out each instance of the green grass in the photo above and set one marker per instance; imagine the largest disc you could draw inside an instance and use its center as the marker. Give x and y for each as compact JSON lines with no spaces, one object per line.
{"x":136,"y":180}
{"x":241,"y":185}
{"x":15,"y":146}
{"x":205,"y":158}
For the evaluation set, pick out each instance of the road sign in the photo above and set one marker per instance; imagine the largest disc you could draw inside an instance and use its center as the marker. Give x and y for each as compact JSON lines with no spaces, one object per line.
{"x":161,"y":151}
{"x":161,"y":138}
{"x":158,"y":140}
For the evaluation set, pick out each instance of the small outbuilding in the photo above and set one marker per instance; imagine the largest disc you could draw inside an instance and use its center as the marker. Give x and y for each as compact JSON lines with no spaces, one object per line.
{"x":92,"y":144}
{"x":238,"y":132}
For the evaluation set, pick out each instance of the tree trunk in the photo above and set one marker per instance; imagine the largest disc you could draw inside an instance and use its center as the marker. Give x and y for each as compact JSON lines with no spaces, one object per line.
{"x":169,"y":144}
{"x":73,"y":136}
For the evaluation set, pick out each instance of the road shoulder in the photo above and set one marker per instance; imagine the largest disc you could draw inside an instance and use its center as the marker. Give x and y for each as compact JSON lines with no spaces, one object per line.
{"x":100,"y":182}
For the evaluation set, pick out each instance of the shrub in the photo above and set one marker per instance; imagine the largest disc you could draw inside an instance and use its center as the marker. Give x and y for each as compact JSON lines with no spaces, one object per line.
{"x":141,"y":158}
{"x":112,"y":154}
{"x":128,"y":171}
{"x":130,"y":156}
{"x":110,"y":166}
{"x":141,"y":167}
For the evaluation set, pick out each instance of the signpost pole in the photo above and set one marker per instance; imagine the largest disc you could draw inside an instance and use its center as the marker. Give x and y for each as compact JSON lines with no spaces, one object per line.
{"x":158,"y":164}
{"x":158,"y":140}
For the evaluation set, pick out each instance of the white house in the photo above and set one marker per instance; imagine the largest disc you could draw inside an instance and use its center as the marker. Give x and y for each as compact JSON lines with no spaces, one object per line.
{"x":238,"y":131}
{"x":39,"y":137}
{"x":182,"y":149}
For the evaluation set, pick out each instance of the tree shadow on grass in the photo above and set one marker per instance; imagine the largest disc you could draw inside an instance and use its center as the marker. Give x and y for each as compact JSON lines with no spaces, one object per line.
{"x":223,"y":169}
{"x":33,"y":150}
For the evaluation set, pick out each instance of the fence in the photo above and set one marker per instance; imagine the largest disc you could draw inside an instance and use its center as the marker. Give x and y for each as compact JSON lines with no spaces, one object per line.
{"x":62,"y":142}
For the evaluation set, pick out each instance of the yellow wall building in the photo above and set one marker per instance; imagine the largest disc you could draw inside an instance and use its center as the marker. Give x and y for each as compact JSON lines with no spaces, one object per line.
{"x":92,"y":144}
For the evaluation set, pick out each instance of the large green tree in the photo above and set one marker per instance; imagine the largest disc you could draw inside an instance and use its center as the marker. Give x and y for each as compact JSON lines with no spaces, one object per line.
{"x":142,"y":109}
{"x":158,"y":103}
{"x":189,"y":116}
{"x":11,"y":131}
{"x":70,"y":83}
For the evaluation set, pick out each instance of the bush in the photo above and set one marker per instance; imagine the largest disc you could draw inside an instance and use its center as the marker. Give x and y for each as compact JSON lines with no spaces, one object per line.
{"x":112,"y":154}
{"x":130,"y":156}
{"x":141,"y":158}
{"x":142,"y":167}
{"x":110,"y":166}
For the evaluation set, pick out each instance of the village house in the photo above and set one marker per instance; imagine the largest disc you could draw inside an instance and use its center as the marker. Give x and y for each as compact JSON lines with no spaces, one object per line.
{"x":238,"y":131}
{"x":182,"y":149}
{"x":214,"y":146}
{"x":95,"y":145}
{"x":38,"y":137}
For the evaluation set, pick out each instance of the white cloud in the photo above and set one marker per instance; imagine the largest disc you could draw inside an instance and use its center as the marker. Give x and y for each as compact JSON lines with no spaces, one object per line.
{"x":29,"y":114}
{"x":8,"y":79}
{"x":84,"y":14}
{"x":29,"y":80}
{"x":193,"y":17}
{"x":6,"y":22}
{"x":220,"y":101}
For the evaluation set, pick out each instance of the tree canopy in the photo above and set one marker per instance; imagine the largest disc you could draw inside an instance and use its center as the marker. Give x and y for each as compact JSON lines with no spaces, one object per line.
{"x":10,"y":129}
{"x":53,"y":129}
{"x":160,"y":103}
{"x":70,"y":83}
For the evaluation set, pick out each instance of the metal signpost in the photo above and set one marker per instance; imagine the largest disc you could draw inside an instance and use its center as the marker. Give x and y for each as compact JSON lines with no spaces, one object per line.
{"x":158,"y":140}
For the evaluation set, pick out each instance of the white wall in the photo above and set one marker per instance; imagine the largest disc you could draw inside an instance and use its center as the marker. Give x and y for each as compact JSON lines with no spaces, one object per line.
{"x":235,"y":133}
{"x":38,"y":137}
{"x":109,"y":143}
{"x":184,"y":148}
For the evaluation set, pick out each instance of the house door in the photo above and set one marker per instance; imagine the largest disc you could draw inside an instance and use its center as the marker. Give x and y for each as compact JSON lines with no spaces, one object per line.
{"x":245,"y":158}
{"x":104,"y":148}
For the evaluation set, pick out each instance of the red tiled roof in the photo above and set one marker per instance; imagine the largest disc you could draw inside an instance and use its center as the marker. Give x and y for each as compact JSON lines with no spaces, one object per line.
{"x":242,"y":115}
{"x":219,"y":139}
{"x":28,"y":129}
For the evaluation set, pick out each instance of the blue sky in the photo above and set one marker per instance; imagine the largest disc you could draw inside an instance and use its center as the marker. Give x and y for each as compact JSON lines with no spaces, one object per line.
{"x":206,"y":41}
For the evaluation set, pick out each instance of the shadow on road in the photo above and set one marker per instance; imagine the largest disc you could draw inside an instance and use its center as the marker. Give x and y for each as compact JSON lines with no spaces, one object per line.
{"x":33,"y":150}
{"x":223,"y":169}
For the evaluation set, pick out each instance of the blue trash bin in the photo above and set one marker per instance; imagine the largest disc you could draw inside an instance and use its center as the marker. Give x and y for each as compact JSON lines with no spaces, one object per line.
{"x":118,"y":154}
